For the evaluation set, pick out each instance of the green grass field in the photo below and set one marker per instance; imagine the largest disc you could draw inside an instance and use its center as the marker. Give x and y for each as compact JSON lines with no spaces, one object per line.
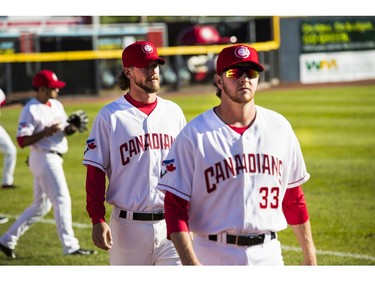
{"x":336,"y":129}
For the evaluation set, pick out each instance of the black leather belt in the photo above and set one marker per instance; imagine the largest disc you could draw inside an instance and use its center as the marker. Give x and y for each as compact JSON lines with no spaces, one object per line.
{"x":242,"y":240}
{"x":144,"y":216}
{"x":55,"y":152}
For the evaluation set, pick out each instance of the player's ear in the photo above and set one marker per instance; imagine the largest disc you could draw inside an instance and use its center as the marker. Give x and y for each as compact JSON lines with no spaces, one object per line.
{"x":127,"y":72}
{"x":43,"y":89}
{"x":218,"y":81}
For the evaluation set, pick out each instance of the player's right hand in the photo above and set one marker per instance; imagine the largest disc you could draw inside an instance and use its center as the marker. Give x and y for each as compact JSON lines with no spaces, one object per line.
{"x":50,"y":131}
{"x":101,"y":236}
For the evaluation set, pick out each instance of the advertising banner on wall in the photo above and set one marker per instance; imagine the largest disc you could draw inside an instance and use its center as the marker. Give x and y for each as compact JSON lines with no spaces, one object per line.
{"x":337,"y":66}
{"x":337,"y":49}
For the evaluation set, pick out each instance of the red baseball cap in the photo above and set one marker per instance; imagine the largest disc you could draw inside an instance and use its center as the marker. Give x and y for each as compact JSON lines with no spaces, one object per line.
{"x":140,"y":54}
{"x":202,"y":35}
{"x":47,"y":78}
{"x":238,"y":54}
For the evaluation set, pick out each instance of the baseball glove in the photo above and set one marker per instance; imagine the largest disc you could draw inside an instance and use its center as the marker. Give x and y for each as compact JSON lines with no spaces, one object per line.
{"x":79,"y":120}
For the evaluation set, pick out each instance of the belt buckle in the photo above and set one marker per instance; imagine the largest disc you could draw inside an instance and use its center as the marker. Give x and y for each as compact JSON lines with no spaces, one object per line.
{"x":243,"y":240}
{"x":236,"y":240}
{"x":160,"y":215}
{"x":248,"y":241}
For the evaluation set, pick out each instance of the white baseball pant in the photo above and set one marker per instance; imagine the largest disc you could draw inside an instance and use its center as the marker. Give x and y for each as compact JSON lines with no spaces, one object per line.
{"x":10,"y":157}
{"x":140,"y":242}
{"x":50,"y":189}
{"x":218,"y":253}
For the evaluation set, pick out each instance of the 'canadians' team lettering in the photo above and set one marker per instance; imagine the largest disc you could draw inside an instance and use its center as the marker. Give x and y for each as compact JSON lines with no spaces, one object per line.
{"x":245,"y":163}
{"x":143,"y":143}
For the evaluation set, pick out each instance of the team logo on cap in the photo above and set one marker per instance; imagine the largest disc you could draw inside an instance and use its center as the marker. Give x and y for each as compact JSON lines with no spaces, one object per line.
{"x":242,"y":52}
{"x":54,"y":77}
{"x":148,"y":49}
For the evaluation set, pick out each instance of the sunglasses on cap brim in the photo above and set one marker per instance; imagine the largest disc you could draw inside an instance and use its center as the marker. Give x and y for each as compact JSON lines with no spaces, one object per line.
{"x":237,"y":72}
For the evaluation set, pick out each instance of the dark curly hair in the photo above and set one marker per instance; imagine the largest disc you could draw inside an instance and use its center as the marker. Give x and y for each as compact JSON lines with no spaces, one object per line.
{"x":123,"y":81}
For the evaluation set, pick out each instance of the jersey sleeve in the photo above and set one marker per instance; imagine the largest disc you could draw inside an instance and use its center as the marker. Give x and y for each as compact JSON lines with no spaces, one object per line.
{"x":297,"y":173}
{"x":25,"y":123}
{"x":97,"y":150}
{"x":178,"y":168}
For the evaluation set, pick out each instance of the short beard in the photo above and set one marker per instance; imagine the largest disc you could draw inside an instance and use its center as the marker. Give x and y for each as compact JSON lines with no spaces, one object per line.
{"x":234,"y":98}
{"x":149,"y":90}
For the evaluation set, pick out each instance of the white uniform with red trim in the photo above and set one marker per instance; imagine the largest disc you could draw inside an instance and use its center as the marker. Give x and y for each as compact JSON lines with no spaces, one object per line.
{"x":129,"y":146}
{"x":234,"y":183}
{"x":36,"y":116}
{"x":50,"y":186}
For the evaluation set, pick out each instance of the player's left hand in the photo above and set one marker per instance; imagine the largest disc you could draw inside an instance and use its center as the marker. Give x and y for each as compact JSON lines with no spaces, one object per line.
{"x":79,"y":120}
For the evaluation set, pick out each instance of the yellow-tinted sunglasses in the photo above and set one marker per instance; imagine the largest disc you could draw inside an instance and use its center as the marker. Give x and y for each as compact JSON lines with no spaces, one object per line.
{"x":237,"y":72}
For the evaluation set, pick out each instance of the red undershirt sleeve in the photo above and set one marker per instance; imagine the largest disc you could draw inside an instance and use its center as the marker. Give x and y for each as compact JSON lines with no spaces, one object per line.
{"x":95,"y":194}
{"x":176,"y":214}
{"x":20,"y":141}
{"x":294,"y":206}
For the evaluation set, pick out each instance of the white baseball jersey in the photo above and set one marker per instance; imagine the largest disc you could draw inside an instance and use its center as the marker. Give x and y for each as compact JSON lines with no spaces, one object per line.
{"x":123,"y":138}
{"x":36,"y":116}
{"x":235,"y":183}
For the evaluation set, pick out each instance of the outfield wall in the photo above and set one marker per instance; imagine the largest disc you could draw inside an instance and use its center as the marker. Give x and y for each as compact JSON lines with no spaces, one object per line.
{"x":89,"y":59}
{"x":300,"y":50}
{"x":327,"y":49}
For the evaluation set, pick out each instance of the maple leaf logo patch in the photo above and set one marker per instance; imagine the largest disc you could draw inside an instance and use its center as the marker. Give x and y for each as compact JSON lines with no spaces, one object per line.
{"x":90,"y":144}
{"x":167,"y":166}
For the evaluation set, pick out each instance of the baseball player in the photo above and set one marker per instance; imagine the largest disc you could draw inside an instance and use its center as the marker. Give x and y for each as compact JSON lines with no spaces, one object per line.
{"x":130,"y":138}
{"x":233,"y":176}
{"x":10,"y":152}
{"x":43,"y":127}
